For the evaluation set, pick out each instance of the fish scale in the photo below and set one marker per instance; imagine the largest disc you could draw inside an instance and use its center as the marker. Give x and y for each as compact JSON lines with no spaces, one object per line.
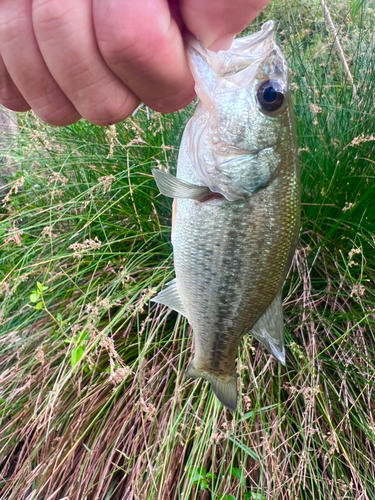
{"x":237,"y":284}
{"x":236,"y":220}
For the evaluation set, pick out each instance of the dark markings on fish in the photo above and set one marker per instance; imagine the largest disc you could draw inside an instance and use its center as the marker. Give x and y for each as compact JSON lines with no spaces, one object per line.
{"x":233,"y":264}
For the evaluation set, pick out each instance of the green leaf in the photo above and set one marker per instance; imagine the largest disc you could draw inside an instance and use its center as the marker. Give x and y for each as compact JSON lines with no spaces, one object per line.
{"x":211,"y":475}
{"x":229,"y":497}
{"x":198,"y":475}
{"x":76,"y":355}
{"x":59,"y":317}
{"x":203,"y":485}
{"x":41,"y":288}
{"x":251,"y":414}
{"x":238,"y":473}
{"x":199,"y":471}
{"x":252,"y":495}
{"x":2,"y":230}
{"x":84,"y":336}
{"x":39,"y":306}
{"x":34,"y":297}
{"x":245,"y":448}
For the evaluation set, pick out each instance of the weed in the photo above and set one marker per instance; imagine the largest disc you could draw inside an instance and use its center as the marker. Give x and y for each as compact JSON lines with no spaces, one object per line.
{"x":93,"y":400}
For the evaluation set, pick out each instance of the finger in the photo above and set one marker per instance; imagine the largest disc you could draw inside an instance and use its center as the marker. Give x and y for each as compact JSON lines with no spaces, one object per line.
{"x":26,"y":67}
{"x":66,"y":38}
{"x":141,"y":42}
{"x":10,"y":96}
{"x":216,"y":23}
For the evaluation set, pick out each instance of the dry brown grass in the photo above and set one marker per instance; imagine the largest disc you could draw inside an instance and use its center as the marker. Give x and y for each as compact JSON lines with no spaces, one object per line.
{"x":93,"y":399}
{"x":77,"y":435}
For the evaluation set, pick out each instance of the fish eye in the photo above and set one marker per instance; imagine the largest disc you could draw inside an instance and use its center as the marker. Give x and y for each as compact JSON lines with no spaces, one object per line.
{"x":270,"y":95}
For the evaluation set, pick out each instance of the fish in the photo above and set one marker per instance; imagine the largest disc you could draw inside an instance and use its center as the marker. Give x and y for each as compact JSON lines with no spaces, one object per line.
{"x":236,"y":209}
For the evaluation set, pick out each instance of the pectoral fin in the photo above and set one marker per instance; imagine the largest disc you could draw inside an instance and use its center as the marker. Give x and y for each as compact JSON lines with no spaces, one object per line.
{"x":269,"y":329}
{"x":170,"y":186}
{"x":171,"y":298}
{"x":225,"y":388}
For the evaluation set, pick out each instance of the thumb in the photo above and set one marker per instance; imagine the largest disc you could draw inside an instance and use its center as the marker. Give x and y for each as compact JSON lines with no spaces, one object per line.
{"x":216,"y":22}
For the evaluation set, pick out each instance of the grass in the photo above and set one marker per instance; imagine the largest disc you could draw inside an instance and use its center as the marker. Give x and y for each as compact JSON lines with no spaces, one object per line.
{"x":93,"y":399}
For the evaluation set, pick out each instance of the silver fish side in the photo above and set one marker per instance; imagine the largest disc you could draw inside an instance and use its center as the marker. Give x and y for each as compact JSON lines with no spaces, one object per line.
{"x":237,"y":207}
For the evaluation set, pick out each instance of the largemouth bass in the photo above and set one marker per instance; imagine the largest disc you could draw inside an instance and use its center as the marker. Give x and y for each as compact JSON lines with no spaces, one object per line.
{"x":237,"y":206}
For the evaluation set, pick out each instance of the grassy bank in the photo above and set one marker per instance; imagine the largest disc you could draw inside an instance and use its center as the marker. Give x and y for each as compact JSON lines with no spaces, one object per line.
{"x":93,"y":399}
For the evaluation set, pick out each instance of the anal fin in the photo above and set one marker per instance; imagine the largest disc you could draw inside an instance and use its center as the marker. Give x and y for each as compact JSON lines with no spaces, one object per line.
{"x":269,"y":329}
{"x":170,"y":186}
{"x":171,"y":298}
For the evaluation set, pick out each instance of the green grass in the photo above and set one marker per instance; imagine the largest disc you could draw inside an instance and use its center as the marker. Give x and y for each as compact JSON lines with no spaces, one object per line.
{"x":93,"y":399}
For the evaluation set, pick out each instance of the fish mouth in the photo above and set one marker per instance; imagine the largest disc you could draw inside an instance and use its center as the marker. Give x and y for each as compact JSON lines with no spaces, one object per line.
{"x":243,"y":52}
{"x":242,"y":45}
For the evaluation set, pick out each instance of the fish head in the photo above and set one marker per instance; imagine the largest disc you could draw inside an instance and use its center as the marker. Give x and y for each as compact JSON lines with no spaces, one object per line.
{"x":245,"y":118}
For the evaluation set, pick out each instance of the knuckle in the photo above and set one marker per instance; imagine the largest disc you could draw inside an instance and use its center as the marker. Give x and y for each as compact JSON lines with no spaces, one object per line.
{"x":173,"y":102}
{"x":49,"y":15}
{"x":10,"y":96}
{"x":126,"y":45}
{"x":109,"y":111}
{"x":57,"y":114}
{"x":11,"y":23}
{"x":14,"y":102}
{"x":104,"y":101}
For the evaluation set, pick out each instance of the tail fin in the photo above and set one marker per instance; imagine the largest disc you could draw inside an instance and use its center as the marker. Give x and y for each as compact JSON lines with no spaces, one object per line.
{"x":225,"y":388}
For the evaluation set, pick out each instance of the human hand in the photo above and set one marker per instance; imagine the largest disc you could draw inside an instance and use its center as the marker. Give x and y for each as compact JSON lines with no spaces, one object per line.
{"x":98,"y":59}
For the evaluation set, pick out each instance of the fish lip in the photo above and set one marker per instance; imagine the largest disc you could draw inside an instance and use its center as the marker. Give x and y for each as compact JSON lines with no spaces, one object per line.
{"x":240,"y":46}
{"x":245,"y":43}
